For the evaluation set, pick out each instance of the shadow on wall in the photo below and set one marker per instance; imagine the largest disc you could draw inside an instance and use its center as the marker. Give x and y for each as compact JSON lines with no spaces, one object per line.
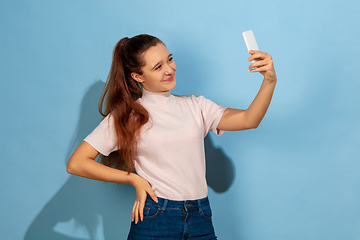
{"x":87,"y":209}
{"x":220,"y":170}
{"x":83,"y":208}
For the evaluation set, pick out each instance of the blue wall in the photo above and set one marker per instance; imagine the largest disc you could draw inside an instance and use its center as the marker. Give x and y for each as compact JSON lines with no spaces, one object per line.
{"x":295,"y":177}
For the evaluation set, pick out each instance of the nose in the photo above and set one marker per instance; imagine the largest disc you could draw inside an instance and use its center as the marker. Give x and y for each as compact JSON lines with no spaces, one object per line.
{"x":169,"y":70}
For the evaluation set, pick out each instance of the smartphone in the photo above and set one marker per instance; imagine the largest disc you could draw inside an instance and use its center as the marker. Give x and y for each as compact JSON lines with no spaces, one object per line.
{"x":250,"y":40}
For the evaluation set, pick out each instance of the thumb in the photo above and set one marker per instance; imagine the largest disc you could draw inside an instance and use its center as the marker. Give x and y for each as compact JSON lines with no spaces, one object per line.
{"x":153,"y":195}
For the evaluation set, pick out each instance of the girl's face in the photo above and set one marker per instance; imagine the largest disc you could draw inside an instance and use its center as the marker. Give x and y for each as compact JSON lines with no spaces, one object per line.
{"x":159,"y":73}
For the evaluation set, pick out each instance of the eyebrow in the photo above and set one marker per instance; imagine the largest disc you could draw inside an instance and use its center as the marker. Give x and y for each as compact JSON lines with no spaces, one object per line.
{"x":157,"y":64}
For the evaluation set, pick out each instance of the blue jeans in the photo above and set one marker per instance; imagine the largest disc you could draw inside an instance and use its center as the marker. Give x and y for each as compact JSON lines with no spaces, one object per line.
{"x":174,"y":220}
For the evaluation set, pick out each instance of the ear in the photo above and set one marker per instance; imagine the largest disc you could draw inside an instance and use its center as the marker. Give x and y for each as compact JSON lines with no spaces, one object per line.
{"x":137,"y":77}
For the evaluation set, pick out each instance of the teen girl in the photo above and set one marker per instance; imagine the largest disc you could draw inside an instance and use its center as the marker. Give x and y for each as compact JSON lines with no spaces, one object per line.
{"x":161,"y":136}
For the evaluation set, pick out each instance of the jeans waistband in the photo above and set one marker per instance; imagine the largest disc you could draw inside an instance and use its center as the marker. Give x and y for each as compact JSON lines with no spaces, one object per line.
{"x":187,"y":204}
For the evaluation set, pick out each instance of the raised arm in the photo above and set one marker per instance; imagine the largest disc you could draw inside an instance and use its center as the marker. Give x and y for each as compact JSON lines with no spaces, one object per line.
{"x":237,"y":119}
{"x":82,"y":163}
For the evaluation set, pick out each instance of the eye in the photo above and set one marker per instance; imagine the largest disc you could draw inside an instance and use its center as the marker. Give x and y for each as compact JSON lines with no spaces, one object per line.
{"x":171,"y":59}
{"x":157,"y":67}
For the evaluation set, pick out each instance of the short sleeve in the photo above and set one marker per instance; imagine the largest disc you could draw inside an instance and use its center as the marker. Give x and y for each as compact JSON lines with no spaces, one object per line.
{"x":211,"y":113}
{"x":103,"y":137}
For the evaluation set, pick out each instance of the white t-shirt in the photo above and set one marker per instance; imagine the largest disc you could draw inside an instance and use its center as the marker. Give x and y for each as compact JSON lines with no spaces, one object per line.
{"x":170,"y":154}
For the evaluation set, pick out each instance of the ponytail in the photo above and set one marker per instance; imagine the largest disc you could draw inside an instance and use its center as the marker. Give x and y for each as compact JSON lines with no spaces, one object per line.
{"x":119,"y":99}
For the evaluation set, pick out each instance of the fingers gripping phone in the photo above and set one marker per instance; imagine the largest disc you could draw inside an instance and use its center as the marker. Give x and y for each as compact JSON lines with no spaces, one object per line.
{"x":250,"y":41}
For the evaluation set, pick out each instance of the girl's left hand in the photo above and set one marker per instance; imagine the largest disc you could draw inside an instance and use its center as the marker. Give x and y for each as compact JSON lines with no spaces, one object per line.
{"x":264,"y":64}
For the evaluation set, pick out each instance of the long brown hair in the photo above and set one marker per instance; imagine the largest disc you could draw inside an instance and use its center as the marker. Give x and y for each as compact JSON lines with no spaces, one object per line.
{"x":119,"y":95}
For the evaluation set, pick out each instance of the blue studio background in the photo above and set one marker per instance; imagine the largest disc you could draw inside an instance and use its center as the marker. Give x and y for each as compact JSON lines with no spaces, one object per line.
{"x":295,"y":177}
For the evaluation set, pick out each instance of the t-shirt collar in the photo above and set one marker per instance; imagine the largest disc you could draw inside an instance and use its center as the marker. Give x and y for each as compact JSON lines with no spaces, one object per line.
{"x":158,"y":100}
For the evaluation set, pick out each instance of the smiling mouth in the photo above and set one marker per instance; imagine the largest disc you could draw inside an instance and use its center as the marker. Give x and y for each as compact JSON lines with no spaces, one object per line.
{"x":169,"y":79}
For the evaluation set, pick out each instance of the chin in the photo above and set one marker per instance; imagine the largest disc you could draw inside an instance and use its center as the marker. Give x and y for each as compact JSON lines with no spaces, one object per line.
{"x":172,"y":85}
{"x":169,"y":85}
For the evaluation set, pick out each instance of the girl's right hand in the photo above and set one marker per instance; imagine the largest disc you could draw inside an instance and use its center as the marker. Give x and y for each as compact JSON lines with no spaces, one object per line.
{"x":142,"y":188}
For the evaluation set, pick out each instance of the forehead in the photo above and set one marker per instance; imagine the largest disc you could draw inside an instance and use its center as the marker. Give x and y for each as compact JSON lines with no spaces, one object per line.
{"x":156,"y":54}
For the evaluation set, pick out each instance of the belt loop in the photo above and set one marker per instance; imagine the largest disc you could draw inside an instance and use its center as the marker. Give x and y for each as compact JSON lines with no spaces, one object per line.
{"x":164,"y":205}
{"x":199,"y":206}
